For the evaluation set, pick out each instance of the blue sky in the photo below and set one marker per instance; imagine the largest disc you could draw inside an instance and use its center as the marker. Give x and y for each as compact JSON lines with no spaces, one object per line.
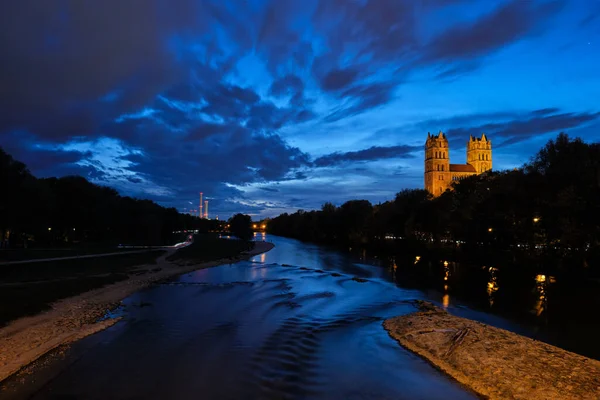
{"x":274,"y":106}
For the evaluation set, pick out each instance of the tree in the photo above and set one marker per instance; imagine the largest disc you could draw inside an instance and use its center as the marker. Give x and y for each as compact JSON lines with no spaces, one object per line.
{"x":241,"y":226}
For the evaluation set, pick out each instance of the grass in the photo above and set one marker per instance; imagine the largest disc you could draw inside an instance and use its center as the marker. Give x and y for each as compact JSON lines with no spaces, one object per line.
{"x":27,"y":289}
{"x":7,"y":255}
{"x":209,"y":248}
{"x":30,"y":288}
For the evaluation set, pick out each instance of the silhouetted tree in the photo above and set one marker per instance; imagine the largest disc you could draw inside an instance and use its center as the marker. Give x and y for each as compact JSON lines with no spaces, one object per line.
{"x":240,"y":225}
{"x":71,"y":210}
{"x":550,"y":203}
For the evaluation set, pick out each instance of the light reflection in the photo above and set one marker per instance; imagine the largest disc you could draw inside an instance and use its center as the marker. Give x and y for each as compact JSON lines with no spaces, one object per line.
{"x":446,"y":300}
{"x":417,"y":259}
{"x":263,"y":257}
{"x":492,"y":285}
{"x":541,"y":289}
{"x":446,"y":271}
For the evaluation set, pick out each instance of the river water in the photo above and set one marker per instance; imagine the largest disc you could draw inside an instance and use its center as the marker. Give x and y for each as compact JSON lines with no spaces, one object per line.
{"x":298,"y":322}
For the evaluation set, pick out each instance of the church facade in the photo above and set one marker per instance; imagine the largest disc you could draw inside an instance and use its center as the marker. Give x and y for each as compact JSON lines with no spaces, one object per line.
{"x":439,"y":173}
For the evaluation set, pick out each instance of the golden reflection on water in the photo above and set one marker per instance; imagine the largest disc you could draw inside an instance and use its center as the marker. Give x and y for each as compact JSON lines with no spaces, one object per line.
{"x":393,"y":268}
{"x":492,"y":285}
{"x":263,"y":257}
{"x":446,"y":271}
{"x":446,"y":298}
{"x":541,"y":289}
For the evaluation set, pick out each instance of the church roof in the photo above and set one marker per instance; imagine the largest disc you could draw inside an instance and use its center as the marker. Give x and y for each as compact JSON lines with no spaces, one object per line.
{"x":462,"y":168}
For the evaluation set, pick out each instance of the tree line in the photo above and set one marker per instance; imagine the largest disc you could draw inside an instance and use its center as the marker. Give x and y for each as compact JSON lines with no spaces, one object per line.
{"x":41,"y":212}
{"x":551,"y":202}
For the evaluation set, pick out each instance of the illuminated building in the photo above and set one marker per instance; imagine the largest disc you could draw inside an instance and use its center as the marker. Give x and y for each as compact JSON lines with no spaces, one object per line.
{"x":439,"y":173}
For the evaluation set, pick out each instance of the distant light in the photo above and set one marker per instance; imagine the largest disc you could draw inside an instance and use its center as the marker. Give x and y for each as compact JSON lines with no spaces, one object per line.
{"x":490,"y":229}
{"x":49,"y":229}
{"x":540,"y":278}
{"x":254,"y":226}
{"x":536,"y":219}
{"x":73,"y":228}
{"x":445,"y":263}
{"x":263,"y":226}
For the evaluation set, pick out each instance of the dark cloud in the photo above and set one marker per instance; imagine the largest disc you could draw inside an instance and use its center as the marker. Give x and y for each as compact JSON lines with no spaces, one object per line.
{"x":370,"y":154}
{"x":288,"y":85}
{"x":338,"y":79}
{"x":538,"y":122}
{"x":507,"y":24}
{"x":57,"y":55}
{"x":362,"y":97}
{"x":383,"y":28}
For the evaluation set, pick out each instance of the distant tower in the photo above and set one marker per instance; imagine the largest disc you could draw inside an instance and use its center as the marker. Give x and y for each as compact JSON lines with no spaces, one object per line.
{"x":206,"y":209}
{"x":200,"y":207}
{"x":479,"y":153}
{"x":437,"y":164}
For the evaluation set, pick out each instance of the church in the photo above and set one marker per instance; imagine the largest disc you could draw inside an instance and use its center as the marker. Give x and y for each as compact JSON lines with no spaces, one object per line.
{"x":439,"y":173}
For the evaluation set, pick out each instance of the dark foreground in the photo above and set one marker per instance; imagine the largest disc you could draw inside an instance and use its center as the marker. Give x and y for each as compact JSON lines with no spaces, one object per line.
{"x":301,"y":328}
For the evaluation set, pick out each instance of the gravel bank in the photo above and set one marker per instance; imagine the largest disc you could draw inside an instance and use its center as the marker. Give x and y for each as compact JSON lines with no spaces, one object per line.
{"x":493,"y":362}
{"x":25,"y":340}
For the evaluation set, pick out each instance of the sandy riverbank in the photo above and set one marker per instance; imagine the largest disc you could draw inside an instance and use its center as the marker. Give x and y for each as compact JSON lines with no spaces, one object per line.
{"x":25,"y":340}
{"x":493,"y":362}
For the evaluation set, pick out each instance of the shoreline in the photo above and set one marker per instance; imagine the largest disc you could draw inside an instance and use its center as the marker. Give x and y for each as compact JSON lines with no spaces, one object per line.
{"x":25,"y":340}
{"x":493,"y":362}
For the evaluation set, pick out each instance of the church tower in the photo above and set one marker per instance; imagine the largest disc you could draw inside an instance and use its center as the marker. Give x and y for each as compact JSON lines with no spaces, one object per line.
{"x":479,"y":153}
{"x":437,"y":164}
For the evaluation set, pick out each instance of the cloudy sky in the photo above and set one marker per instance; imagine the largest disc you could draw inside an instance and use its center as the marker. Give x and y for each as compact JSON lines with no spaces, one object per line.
{"x":273,"y":106}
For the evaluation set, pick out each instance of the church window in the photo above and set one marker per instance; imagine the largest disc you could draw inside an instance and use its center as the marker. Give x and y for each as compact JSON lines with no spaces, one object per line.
{"x":442,"y":167}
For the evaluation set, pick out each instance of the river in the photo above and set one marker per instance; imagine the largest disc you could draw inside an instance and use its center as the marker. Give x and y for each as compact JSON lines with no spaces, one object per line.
{"x":298,"y":322}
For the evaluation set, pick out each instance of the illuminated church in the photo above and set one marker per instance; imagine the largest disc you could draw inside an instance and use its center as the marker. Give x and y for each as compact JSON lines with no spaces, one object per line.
{"x":439,"y":173}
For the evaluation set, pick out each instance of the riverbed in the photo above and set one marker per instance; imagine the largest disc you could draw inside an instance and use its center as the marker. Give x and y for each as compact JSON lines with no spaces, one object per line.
{"x":300,"y":321}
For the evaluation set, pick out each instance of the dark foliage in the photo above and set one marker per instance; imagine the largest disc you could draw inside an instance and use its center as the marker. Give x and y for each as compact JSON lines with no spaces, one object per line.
{"x":56,"y":212}
{"x":551,"y":203}
{"x":240,"y":225}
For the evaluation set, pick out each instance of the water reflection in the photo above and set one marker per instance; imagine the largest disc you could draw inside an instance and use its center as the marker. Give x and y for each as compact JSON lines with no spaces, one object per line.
{"x":290,"y":328}
{"x":541,"y":290}
{"x":446,"y":271}
{"x":492,"y":285}
{"x":260,"y":236}
{"x":446,"y":298}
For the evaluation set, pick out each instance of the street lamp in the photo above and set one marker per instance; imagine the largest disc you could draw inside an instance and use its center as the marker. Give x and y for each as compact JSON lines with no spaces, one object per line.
{"x":536,"y":219}
{"x":49,"y":229}
{"x":490,"y":229}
